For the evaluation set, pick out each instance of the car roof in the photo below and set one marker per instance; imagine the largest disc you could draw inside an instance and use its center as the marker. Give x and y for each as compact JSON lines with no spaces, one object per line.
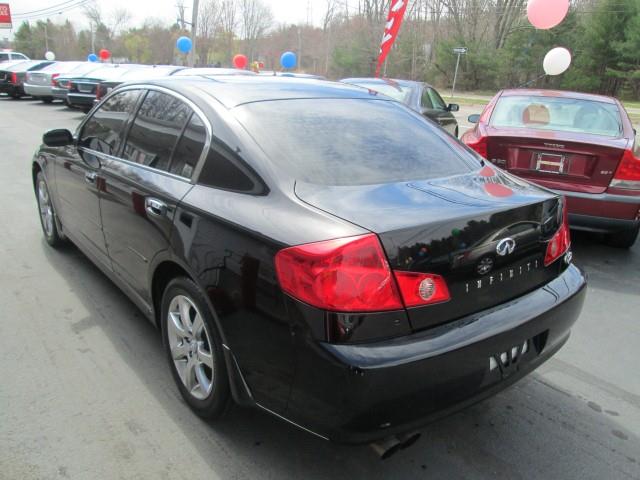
{"x":236,"y":90}
{"x":213,"y":71}
{"x":380,"y":81}
{"x":532,"y":92}
{"x":26,"y":65}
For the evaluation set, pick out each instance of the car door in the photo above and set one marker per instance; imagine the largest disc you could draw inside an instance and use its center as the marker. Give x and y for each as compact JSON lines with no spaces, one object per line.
{"x":434,"y":107}
{"x":77,"y":173}
{"x":140,"y":194}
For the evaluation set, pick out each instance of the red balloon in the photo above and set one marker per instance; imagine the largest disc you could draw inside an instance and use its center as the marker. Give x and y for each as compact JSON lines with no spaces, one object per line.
{"x":104,"y":54}
{"x":240,"y":61}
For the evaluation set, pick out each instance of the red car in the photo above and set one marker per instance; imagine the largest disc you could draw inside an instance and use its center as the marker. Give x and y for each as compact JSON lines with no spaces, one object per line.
{"x":579,"y":145}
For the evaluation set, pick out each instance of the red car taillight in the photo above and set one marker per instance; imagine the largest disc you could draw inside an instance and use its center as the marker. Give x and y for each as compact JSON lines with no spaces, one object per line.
{"x":53,"y":79}
{"x":480,"y":145}
{"x":561,"y":240}
{"x":352,"y":275}
{"x":14,"y":78}
{"x":628,"y":173}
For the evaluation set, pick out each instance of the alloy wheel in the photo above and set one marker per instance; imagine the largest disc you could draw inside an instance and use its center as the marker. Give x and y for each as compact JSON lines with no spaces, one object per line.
{"x":46,"y":209}
{"x":190,"y":345}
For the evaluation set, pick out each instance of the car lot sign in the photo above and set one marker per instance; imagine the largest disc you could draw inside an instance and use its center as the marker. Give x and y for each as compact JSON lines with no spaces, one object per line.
{"x":5,"y":16}
{"x":460,"y":50}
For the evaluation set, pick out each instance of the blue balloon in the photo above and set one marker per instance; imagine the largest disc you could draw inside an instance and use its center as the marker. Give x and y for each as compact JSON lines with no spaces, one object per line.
{"x":184,"y":44}
{"x":92,"y":57}
{"x":288,"y":60}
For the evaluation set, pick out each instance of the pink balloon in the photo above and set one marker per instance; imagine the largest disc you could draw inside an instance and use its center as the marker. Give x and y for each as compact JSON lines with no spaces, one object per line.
{"x":545,"y":14}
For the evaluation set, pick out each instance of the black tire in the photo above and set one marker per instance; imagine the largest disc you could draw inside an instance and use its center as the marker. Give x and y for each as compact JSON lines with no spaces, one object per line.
{"x":623,"y":238}
{"x":47,"y":99}
{"x":457,"y":133}
{"x":48,"y":218}
{"x":214,"y":404}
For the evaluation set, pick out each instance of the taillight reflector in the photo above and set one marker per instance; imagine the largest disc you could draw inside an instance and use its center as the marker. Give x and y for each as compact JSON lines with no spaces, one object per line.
{"x":14,"y":78}
{"x":352,"y":275}
{"x":53,"y":79}
{"x":628,"y":173}
{"x":561,"y":240}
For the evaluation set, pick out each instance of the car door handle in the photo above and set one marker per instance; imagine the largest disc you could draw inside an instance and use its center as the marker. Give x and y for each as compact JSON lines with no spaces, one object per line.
{"x":155,"y":207}
{"x":90,"y":177}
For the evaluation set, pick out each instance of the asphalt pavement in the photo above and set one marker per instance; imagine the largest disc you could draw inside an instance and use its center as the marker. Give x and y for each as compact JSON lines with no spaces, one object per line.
{"x":85,"y":391}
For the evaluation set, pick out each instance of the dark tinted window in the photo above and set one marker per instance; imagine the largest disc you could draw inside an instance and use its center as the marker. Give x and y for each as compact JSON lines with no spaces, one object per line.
{"x":4,"y":56}
{"x":425,"y":101}
{"x":224,"y":169}
{"x":351,"y":141}
{"x":103,"y":132}
{"x":156,"y":129}
{"x":189,"y":148}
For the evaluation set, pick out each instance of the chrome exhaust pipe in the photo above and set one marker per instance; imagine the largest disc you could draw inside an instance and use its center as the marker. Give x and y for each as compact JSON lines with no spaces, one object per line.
{"x":389,"y":446}
{"x":386,"y":447}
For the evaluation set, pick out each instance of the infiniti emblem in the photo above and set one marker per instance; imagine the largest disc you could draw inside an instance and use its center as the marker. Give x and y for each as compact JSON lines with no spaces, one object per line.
{"x":506,"y":246}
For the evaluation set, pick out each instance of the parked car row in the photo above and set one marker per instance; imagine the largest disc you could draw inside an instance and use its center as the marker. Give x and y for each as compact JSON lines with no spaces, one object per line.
{"x":581,"y":146}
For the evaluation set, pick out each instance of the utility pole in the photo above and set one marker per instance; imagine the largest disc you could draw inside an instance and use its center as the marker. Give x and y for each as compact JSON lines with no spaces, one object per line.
{"x":194,"y":32}
{"x":299,"y":49}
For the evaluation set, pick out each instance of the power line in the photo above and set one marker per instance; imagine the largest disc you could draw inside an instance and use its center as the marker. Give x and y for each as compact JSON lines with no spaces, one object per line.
{"x":67,"y":8}
{"x":42,"y":9}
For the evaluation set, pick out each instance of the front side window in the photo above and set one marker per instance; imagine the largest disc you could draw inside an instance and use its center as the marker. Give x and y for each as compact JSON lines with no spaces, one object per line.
{"x":436,"y":99}
{"x":4,"y":56}
{"x":103,"y":131}
{"x":555,"y":113}
{"x":425,"y":100}
{"x":351,"y":141}
{"x":155,"y":130}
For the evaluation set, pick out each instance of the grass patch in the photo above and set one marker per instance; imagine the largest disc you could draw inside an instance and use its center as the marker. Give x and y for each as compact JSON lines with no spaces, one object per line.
{"x":466,"y":101}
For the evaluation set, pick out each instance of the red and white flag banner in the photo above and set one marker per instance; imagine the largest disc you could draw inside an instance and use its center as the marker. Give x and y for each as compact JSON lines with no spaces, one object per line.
{"x":391,"y":29}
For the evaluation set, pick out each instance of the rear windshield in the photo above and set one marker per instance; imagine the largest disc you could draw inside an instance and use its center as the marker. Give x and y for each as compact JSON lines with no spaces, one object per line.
{"x":563,"y":114}
{"x":351,"y":141}
{"x":395,"y":91}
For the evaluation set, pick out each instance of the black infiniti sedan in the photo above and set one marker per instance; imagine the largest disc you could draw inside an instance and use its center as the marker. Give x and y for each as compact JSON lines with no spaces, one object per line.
{"x":295,"y":241}
{"x":419,"y":96}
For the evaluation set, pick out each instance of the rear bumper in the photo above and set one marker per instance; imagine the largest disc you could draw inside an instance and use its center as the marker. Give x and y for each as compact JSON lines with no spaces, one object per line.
{"x":604,"y":212}
{"x":364,"y":392}
{"x":61,"y":93}
{"x":10,"y":88}
{"x":81,"y":99}
{"x":37,"y":90}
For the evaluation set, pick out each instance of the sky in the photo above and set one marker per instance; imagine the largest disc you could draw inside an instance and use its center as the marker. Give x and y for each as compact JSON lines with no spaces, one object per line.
{"x":284,"y":11}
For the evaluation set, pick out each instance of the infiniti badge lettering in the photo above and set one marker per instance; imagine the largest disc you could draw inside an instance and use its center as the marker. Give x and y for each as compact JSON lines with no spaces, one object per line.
{"x":506,"y":246}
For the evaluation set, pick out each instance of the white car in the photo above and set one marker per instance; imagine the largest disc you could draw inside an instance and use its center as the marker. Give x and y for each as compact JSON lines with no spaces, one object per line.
{"x":6,"y":56}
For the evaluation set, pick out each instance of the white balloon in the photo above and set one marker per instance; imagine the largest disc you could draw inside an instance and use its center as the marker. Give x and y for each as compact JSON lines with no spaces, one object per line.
{"x":557,"y":61}
{"x":50,"y":56}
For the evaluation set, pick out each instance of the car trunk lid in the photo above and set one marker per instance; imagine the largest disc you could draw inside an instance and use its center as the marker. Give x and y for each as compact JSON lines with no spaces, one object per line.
{"x":454,"y":227}
{"x":557,"y":160}
{"x":38,"y":78}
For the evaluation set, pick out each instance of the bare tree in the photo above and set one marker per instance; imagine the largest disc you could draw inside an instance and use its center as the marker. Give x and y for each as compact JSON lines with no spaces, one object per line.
{"x":256,"y":18}
{"x":229,"y":24}
{"x":209,"y":24}
{"x":120,"y":18}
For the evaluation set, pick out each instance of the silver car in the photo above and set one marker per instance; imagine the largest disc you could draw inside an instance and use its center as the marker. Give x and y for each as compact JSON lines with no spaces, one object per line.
{"x":40,"y":84}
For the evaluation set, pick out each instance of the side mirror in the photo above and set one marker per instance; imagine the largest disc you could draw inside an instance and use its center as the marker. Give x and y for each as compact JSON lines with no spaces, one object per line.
{"x":60,"y":137}
{"x":453,"y":107}
{"x":475,"y":118}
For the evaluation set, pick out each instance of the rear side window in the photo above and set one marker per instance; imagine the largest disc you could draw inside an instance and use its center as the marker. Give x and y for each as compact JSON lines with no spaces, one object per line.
{"x":103,"y":131}
{"x":351,"y":141}
{"x":155,"y":130}
{"x":4,"y":56}
{"x":556,"y":113}
{"x":189,"y":148}
{"x":226,"y":170}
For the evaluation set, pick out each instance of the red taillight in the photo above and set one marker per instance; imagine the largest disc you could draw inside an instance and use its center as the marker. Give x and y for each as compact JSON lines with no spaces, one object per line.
{"x":53,"y":79}
{"x":561,"y":240}
{"x":14,"y":78}
{"x":628,"y":173}
{"x":352,"y":275}
{"x":480,"y":146}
